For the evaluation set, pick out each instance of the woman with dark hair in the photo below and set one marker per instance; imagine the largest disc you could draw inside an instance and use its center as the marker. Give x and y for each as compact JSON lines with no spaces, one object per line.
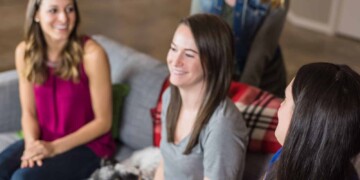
{"x":65,"y":94}
{"x":203,"y":134}
{"x":319,"y":124}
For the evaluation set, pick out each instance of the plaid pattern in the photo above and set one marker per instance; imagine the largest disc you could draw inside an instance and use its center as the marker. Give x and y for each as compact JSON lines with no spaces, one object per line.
{"x":258,"y":107}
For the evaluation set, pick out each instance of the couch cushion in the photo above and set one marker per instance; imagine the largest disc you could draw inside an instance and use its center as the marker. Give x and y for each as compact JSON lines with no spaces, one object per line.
{"x":137,"y":126}
{"x":9,"y":102}
{"x":8,"y":138}
{"x":123,"y":152}
{"x":145,"y":76}
{"x":124,"y":61}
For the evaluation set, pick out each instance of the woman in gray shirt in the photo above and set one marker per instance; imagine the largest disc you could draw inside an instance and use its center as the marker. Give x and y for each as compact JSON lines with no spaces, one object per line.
{"x":203,"y":133}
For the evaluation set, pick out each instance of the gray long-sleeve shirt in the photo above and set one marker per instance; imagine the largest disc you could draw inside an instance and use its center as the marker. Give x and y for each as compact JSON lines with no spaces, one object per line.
{"x":220,"y":153}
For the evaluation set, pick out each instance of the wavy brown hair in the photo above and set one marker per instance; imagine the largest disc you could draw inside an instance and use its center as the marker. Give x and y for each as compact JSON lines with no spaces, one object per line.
{"x":35,"y":55}
{"x":215,"y":41}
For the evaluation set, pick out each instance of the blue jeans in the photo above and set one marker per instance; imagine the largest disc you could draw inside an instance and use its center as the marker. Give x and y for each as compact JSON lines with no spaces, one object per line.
{"x":77,"y":163}
{"x":248,"y":16}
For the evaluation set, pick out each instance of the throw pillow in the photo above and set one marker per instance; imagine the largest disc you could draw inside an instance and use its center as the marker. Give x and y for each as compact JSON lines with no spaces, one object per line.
{"x":259,"y":109}
{"x":119,"y":91}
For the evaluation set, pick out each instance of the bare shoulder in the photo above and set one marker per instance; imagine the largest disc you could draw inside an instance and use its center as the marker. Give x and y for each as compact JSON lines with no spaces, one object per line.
{"x":92,"y":48}
{"x":95,"y":57}
{"x":19,"y":54}
{"x":20,"y":49}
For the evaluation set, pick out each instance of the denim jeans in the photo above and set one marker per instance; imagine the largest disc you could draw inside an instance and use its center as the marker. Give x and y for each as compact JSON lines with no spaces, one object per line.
{"x":247,"y":18}
{"x":77,"y":163}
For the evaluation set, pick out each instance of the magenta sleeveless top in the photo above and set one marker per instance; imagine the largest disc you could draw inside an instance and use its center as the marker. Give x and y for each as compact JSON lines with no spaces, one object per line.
{"x":63,"y":107}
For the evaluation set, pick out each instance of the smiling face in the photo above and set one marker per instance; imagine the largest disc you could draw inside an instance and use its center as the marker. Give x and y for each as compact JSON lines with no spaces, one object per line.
{"x":285,"y":113}
{"x":183,"y":60}
{"x":57,"y":19}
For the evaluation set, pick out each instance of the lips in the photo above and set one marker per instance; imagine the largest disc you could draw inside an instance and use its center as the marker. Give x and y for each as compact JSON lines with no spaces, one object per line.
{"x":178,"y":72}
{"x":61,"y":27}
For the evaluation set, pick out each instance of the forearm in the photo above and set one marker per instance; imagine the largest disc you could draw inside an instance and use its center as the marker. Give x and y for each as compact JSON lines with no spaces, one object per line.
{"x":30,"y":129}
{"x":85,"y":134}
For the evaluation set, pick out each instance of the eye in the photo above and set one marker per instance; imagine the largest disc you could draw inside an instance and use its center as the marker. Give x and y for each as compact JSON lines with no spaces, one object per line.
{"x":173,"y":49}
{"x":52,"y":10}
{"x":70,"y":9}
{"x":189,"y":55}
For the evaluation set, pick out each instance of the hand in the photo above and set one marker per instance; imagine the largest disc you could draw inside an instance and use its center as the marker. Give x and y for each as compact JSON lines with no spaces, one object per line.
{"x":36,"y":152}
{"x":231,"y":3}
{"x":30,"y":163}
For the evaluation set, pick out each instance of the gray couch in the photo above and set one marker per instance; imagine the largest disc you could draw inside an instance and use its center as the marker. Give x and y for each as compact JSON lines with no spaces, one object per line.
{"x":145,"y":76}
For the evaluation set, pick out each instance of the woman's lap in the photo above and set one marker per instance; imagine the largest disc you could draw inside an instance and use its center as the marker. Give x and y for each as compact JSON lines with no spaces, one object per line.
{"x":77,"y":163}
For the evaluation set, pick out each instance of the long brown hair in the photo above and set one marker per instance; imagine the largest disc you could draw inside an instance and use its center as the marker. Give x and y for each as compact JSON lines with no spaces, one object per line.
{"x":215,"y":42}
{"x":35,"y":56}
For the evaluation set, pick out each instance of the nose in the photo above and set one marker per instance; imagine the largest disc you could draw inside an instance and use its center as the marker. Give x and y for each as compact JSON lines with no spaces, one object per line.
{"x":63,"y":17}
{"x":177,"y":60}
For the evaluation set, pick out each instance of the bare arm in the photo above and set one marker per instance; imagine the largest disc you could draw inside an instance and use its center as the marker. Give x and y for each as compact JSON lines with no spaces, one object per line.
{"x":29,"y":121}
{"x":159,"y":174}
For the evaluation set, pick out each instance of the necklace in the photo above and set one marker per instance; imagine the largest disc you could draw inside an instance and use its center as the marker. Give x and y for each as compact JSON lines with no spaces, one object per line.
{"x":52,"y":64}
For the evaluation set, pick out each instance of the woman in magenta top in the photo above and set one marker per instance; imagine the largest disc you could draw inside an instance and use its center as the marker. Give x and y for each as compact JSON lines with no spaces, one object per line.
{"x":65,"y":93}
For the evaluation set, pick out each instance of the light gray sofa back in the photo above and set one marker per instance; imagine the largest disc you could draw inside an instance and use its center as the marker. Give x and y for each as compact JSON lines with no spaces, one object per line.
{"x":10,"y":111}
{"x":145,"y":75}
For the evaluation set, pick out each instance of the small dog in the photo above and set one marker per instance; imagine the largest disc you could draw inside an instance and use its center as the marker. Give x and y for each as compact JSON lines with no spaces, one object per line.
{"x":140,"y":166}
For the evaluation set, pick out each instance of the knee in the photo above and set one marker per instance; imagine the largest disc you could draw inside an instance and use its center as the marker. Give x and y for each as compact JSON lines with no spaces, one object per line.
{"x":23,"y":174}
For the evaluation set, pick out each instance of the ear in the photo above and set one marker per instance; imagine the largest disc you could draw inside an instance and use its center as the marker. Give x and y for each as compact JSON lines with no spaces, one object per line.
{"x":36,"y":17}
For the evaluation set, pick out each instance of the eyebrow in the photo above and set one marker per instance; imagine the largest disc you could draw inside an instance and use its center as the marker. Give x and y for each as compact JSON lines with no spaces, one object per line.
{"x":53,"y":5}
{"x":186,"y":49}
{"x":192,"y":51}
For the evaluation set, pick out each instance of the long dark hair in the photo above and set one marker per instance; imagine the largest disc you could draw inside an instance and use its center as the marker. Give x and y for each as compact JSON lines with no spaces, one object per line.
{"x":324,"y":132}
{"x":215,"y":42}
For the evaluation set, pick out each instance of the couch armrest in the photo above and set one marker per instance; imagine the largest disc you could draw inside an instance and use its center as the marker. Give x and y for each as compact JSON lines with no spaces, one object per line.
{"x":10,"y":111}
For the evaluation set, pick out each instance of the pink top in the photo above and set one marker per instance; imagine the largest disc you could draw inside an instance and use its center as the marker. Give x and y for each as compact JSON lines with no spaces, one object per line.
{"x":63,"y":107}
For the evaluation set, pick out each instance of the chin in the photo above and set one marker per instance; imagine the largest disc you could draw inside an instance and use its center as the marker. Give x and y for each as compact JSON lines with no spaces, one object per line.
{"x":61,"y":35}
{"x":61,"y":38}
{"x":279,"y":138}
{"x":176,"y":81}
